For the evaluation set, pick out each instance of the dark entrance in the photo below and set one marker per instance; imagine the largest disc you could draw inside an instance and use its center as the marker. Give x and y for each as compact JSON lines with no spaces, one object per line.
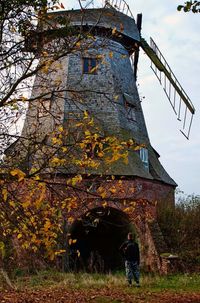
{"x":99,"y":234}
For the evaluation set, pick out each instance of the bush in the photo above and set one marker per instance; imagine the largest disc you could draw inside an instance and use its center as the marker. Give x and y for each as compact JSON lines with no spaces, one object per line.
{"x":180,"y":226}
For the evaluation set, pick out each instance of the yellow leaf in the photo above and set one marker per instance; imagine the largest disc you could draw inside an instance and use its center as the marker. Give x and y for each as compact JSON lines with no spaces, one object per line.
{"x":45,"y":68}
{"x":100,"y":154}
{"x":59,"y":252}
{"x":93,"y":69}
{"x":85,"y":115}
{"x":26,"y":203}
{"x":82,"y":145}
{"x":5,"y":194}
{"x":99,"y":56}
{"x":111,"y":55}
{"x":17,"y":172}
{"x":33,"y":170}
{"x":12,"y":203}
{"x":113,"y":190}
{"x":79,"y":124}
{"x":70,"y":219}
{"x":91,"y":122}
{"x":45,"y":54}
{"x":55,"y":161}
{"x":33,"y":239}
{"x":128,"y":209}
{"x":78,"y":44}
{"x":103,"y":195}
{"x":114,"y":31}
{"x":47,"y":225}
{"x":104,"y":204}
{"x":64,"y":149}
{"x":72,"y":241}
{"x":19,"y":236}
{"x":87,"y":133}
{"x":56,"y":141}
{"x":76,"y":179}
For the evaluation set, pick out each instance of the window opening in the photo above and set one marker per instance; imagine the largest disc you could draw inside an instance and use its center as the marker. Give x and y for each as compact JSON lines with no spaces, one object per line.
{"x":89,"y":65}
{"x":143,"y":152}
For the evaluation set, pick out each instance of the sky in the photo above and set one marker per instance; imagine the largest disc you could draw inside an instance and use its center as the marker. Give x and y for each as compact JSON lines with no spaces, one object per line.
{"x":177,"y":35}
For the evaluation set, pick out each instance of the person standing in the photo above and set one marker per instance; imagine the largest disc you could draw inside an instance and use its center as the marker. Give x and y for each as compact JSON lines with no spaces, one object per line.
{"x":130,"y":251}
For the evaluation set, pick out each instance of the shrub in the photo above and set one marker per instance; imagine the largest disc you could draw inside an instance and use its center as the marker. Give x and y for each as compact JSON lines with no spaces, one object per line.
{"x":180,"y":226}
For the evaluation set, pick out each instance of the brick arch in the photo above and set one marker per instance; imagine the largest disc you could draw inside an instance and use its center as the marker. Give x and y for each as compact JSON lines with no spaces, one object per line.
{"x":140,"y":213}
{"x":100,"y":232}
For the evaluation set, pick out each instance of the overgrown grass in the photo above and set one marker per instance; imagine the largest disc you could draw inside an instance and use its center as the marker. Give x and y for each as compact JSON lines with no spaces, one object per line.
{"x":153,"y":283}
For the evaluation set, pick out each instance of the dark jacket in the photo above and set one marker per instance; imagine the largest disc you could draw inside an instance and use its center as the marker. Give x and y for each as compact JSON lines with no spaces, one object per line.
{"x":130,"y":251}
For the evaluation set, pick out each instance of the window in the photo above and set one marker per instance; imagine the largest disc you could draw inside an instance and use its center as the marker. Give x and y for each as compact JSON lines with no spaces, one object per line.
{"x":89,"y":66}
{"x":144,"y":157}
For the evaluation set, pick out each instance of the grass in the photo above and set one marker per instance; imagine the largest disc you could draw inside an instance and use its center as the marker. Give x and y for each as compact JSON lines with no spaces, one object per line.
{"x":152,"y":283}
{"x":176,"y":282}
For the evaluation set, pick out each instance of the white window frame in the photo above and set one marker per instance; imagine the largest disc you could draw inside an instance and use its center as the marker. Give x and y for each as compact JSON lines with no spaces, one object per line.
{"x":144,"y":156}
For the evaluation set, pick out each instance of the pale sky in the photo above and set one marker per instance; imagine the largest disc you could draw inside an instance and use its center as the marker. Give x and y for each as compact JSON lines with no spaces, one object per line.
{"x":177,"y":34}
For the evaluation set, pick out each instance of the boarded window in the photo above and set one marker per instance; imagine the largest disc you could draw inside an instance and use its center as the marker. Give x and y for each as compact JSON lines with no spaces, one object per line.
{"x":130,"y":113}
{"x":130,"y":106}
{"x":89,"y":66}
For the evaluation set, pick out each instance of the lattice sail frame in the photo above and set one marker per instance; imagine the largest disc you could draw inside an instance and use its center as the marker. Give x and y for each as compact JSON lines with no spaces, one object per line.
{"x":120,"y":5}
{"x":175,"y":93}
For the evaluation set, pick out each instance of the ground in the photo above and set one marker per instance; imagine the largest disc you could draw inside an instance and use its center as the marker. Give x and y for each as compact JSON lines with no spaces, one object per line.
{"x":95,"y":288}
{"x":104,"y":295}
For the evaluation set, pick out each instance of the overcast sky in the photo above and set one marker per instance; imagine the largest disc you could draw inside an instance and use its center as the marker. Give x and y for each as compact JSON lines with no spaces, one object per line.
{"x":177,"y":34}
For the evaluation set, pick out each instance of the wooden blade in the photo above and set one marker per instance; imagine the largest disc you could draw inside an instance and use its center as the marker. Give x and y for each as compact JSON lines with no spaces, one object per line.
{"x":176,"y":95}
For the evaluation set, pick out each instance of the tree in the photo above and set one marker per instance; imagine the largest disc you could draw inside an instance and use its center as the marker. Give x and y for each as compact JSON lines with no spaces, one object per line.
{"x":190,"y":6}
{"x":37,"y":204}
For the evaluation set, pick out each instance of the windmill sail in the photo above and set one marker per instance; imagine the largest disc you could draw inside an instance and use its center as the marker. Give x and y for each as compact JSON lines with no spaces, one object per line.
{"x":119,"y":5}
{"x":176,"y":95}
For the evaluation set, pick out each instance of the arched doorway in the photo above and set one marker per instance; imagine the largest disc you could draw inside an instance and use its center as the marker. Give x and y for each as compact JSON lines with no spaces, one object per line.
{"x":97,"y":237}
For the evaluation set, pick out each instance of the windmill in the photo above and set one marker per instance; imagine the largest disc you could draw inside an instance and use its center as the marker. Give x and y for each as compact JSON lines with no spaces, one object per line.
{"x":108,"y":91}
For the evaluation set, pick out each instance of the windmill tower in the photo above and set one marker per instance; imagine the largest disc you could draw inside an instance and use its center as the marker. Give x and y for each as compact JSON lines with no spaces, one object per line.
{"x":100,"y":78}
